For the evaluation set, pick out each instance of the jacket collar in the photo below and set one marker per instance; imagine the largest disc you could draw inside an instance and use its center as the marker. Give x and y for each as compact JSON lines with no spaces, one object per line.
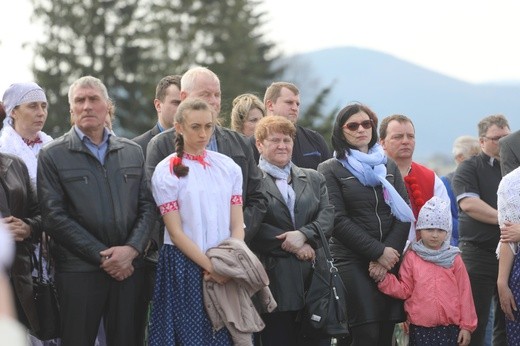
{"x":76,"y":144}
{"x":298,"y":182}
{"x":221,"y":140}
{"x":6,"y":162}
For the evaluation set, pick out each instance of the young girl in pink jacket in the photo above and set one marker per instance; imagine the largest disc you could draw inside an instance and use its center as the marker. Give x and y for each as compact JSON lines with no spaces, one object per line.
{"x":434,"y":283}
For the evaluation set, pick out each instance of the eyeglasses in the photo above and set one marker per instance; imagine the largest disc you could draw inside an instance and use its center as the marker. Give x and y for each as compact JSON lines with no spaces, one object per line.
{"x":493,"y":139}
{"x":353,"y":126}
{"x":277,"y":141}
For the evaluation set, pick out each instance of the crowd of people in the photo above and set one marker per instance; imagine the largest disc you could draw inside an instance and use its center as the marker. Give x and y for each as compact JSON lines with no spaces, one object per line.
{"x":196,"y":234}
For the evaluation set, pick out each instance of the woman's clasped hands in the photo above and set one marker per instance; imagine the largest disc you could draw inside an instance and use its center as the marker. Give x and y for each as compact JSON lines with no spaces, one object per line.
{"x":378,"y":269}
{"x":295,"y":242}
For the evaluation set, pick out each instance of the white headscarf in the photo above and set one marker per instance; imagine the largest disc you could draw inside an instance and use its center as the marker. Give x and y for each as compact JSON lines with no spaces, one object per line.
{"x":20,"y":93}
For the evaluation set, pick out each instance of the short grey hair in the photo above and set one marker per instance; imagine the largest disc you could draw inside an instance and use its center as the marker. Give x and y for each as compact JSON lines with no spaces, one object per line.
{"x":189,"y":78}
{"x":467,"y":146}
{"x":88,"y":82}
{"x":499,"y":120}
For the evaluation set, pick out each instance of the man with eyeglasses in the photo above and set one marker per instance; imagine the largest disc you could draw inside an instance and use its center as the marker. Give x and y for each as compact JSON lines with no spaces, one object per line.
{"x":397,"y":137}
{"x":475,"y":185}
{"x":310,"y":148}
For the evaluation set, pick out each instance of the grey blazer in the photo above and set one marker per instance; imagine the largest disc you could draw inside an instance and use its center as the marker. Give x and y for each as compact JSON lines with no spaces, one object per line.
{"x":510,"y":152}
{"x":287,"y":274}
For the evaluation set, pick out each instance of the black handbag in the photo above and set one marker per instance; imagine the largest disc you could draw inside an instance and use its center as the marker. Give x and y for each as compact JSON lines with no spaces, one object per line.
{"x":46,"y":302}
{"x":325,"y":311}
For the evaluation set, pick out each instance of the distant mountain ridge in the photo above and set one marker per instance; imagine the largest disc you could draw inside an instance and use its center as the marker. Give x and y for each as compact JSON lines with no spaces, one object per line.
{"x":442,"y":108}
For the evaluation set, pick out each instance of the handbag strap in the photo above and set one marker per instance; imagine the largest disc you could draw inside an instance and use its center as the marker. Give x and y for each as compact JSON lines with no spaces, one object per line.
{"x":37,"y":262}
{"x":326,"y":250}
{"x":40,"y":260}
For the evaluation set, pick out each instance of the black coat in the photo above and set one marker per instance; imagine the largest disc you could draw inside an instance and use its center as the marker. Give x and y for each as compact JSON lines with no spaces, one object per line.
{"x":287,"y":274}
{"x":363,"y":223}
{"x":363,"y":227}
{"x":21,"y":202}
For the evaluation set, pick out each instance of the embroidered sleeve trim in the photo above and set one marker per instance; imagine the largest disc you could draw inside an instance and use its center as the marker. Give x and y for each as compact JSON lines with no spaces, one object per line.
{"x":236,"y":200}
{"x":167,"y":207}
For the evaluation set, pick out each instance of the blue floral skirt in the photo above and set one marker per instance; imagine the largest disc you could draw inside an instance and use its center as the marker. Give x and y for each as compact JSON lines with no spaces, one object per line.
{"x":434,"y":336}
{"x":178,"y":313}
{"x":513,"y":327}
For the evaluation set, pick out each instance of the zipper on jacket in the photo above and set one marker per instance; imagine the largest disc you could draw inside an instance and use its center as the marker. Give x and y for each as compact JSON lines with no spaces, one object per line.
{"x":378,"y":218}
{"x":84,"y":178}
{"x":107,"y":183}
{"x":129,"y":176}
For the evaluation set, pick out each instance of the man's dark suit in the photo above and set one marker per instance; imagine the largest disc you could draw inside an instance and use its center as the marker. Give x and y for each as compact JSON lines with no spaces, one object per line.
{"x":145,"y":138}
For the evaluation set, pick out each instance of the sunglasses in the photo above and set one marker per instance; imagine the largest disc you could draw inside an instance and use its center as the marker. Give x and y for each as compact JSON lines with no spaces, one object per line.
{"x":353,"y":126}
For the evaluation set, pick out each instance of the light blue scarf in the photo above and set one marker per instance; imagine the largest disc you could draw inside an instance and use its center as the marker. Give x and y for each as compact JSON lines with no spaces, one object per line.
{"x":443,"y":257}
{"x":282,"y":182}
{"x":370,"y":170}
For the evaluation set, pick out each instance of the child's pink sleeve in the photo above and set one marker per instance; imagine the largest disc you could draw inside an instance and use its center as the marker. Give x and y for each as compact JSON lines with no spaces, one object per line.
{"x":401,"y":288}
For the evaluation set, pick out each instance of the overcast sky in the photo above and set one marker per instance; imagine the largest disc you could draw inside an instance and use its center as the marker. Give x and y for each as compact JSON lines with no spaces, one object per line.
{"x":472,"y":40}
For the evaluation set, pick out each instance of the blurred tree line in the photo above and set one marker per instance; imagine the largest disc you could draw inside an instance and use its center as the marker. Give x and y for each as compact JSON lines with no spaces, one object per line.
{"x":131,"y":44}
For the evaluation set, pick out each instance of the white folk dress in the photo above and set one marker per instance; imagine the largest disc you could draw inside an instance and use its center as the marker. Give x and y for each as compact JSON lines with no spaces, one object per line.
{"x":203,"y":199}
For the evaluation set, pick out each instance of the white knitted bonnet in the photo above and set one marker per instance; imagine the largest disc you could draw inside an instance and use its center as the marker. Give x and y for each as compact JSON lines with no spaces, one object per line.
{"x":435,"y":213}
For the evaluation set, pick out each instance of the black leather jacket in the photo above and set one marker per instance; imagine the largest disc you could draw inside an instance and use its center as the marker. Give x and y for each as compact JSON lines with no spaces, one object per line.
{"x":21,"y":202}
{"x":312,"y":211}
{"x":88,"y":207}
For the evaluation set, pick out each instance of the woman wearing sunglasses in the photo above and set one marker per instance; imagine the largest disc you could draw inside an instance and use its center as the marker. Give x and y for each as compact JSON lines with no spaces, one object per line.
{"x":372,"y":219}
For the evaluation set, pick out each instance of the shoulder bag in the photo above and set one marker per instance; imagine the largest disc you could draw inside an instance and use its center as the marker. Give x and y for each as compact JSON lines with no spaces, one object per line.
{"x":46,"y":301}
{"x":325,"y":311}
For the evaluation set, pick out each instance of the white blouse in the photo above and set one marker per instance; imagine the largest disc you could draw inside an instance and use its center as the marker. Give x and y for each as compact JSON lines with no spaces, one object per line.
{"x":203,"y":197}
{"x":12,"y":143}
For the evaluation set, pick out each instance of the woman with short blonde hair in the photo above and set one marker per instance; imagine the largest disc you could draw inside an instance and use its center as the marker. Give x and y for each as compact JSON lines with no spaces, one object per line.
{"x":247,"y":111}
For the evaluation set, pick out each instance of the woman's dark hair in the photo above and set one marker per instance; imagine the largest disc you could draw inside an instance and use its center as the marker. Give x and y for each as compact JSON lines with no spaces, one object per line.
{"x":3,"y":114}
{"x":339,"y":143}
{"x":180,"y":169}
